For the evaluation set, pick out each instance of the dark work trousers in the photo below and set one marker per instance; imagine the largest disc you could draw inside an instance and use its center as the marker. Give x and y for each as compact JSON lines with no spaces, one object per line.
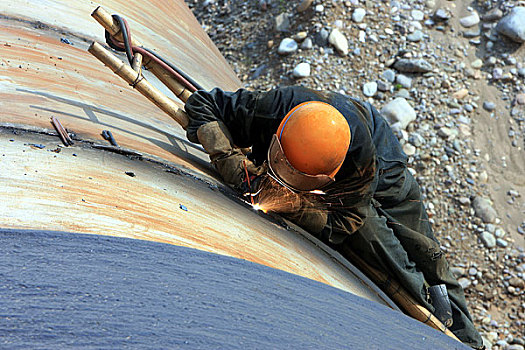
{"x":397,"y":238}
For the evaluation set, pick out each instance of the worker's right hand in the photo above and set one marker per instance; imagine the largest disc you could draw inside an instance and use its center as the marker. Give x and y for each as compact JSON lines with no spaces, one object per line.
{"x":228,"y":160}
{"x":311,"y":216}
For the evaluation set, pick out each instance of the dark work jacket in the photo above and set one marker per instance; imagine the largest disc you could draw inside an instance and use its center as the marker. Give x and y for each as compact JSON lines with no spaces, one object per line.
{"x":253,"y":117}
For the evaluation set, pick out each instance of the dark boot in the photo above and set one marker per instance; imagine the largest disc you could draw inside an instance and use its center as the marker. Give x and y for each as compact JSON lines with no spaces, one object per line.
{"x":441,"y":303}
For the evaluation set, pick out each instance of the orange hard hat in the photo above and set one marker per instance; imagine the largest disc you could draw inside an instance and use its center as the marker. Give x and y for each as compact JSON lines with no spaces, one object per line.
{"x":309,"y":146}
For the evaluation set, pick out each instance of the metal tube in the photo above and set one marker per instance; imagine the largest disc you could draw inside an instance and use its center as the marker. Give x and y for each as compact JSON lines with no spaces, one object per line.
{"x":138,"y":82}
{"x":112,"y":26}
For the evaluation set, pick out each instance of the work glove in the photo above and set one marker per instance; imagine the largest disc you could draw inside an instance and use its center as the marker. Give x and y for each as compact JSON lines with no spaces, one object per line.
{"x":229,"y":161}
{"x":310,"y":215}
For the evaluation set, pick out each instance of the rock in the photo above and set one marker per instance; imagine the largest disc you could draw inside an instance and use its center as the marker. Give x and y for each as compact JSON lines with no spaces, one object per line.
{"x":464,"y":282}
{"x":370,"y":89}
{"x":513,"y":25}
{"x":307,"y":44}
{"x":441,"y":15}
{"x":514,"y":347}
{"x":483,"y":177}
{"x":517,"y":282}
{"x":500,"y":242}
{"x":416,"y":36}
{"x":497,"y":73}
{"x":358,"y":15}
{"x":493,"y":15}
{"x":477,"y":64}
{"x":339,"y":41}
{"x":457,"y":271}
{"x":445,"y":132}
{"x":383,"y":86}
{"x":302,"y":70}
{"x":389,"y":75}
{"x":488,"y":239}
{"x":287,"y":46}
{"x":399,"y":111}
{"x":460,"y":94}
{"x":404,"y":81}
{"x":472,"y":32}
{"x":409,"y":149}
{"x":299,"y":37}
{"x":521,"y":72}
{"x":407,"y":65}
{"x":319,"y":8}
{"x":417,"y":15}
{"x":403,"y":93}
{"x":520,"y":99}
{"x":499,"y":233}
{"x":470,"y":20}
{"x":489,"y":106}
{"x":321,"y":38}
{"x":281,"y":23}
{"x":362,"y":36}
{"x":464,"y":201}
{"x":484,"y":210}
{"x":304,"y":5}
{"x":519,"y":341}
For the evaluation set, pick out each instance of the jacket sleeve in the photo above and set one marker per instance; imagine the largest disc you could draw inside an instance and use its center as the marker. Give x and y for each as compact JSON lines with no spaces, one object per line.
{"x":234,"y":109}
{"x":246,"y":114}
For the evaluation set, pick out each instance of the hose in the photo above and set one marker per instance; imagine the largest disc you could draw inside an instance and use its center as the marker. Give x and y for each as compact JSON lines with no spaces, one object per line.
{"x":127,"y":47}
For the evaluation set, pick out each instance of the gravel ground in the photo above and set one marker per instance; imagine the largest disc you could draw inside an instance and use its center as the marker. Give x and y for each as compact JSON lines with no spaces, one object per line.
{"x":455,"y":71}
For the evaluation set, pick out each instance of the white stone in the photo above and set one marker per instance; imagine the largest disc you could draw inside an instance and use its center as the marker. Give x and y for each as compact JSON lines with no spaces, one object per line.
{"x":417,"y":15}
{"x":362,"y":36}
{"x":287,"y":46}
{"x":404,"y":81}
{"x":409,"y":149}
{"x":339,"y":41}
{"x":488,"y":239}
{"x":319,"y":8}
{"x":370,"y":89}
{"x":477,"y":64}
{"x":302,"y":70}
{"x":484,"y":210}
{"x":307,"y":44}
{"x":416,"y":36}
{"x":399,"y":111}
{"x":358,"y":15}
{"x":470,"y":20}
{"x":389,"y":75}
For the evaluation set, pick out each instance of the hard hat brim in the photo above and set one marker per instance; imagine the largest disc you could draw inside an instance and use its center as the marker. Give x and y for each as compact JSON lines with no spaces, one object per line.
{"x":284,"y":173}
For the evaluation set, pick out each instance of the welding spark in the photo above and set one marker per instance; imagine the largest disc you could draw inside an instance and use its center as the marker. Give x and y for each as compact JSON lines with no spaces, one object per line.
{"x":317,"y":192}
{"x":257,"y":206}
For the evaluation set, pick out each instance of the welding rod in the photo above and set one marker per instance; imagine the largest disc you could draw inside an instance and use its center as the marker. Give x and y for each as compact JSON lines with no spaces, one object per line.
{"x":62,"y":133}
{"x":136,"y":80}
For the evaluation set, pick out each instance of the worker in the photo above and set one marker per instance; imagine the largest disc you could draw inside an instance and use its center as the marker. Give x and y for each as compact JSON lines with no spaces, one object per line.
{"x":352,"y":187}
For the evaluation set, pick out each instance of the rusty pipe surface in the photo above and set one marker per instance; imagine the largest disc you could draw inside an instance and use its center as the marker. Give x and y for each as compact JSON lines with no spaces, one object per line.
{"x":137,"y":81}
{"x":111,"y":194}
{"x":45,"y":71}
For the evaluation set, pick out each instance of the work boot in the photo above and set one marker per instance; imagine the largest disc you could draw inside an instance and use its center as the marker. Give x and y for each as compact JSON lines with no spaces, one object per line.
{"x":441,"y":303}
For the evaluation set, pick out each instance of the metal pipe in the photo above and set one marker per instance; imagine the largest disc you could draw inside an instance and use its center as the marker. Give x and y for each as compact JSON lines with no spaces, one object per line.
{"x":138,"y":82}
{"x":112,"y":26}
